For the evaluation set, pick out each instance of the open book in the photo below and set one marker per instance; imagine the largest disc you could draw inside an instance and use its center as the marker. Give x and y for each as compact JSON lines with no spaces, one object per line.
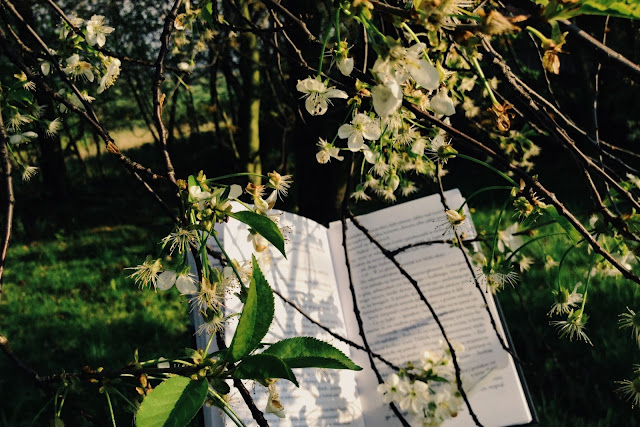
{"x":397,"y":325}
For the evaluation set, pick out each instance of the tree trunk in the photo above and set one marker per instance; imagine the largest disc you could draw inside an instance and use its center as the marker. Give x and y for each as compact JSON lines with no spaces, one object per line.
{"x":250,"y":69}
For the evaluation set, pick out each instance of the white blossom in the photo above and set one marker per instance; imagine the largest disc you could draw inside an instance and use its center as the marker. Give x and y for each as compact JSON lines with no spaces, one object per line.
{"x":19,"y":138}
{"x":75,"y":67}
{"x":166,"y":280}
{"x":29,"y":172}
{"x":416,"y":397}
{"x":75,"y":22}
{"x":53,"y":127}
{"x":112,"y":72}
{"x":345,"y":65}
{"x":402,"y":63}
{"x":508,"y":239}
{"x":184,"y":66}
{"x":327,"y":151}
{"x":274,"y":406}
{"x":235,"y":191}
{"x":97,"y":30}
{"x":393,"y":389}
{"x":318,"y":95}
{"x":565,"y":302}
{"x":361,"y":127}
{"x":183,"y":282}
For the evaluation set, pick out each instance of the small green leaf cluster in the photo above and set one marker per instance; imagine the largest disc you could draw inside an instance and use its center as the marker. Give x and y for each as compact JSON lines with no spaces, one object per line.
{"x":177,"y":399}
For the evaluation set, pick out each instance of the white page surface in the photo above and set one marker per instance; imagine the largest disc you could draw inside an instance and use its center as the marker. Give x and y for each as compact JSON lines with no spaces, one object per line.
{"x":399,"y":326}
{"x":325,"y":397}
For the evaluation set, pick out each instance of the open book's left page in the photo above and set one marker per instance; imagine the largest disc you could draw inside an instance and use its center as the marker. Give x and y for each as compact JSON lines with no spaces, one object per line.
{"x":325,"y":397}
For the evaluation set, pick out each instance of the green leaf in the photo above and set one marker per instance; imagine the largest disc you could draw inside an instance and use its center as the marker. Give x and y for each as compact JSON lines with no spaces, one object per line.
{"x":220,"y":386}
{"x":262,"y":366}
{"x":173,"y":403}
{"x":263,"y":225}
{"x":628,"y":9}
{"x":207,"y":12}
{"x":256,"y":316}
{"x":192,"y":181}
{"x":564,"y":223}
{"x":308,"y":352}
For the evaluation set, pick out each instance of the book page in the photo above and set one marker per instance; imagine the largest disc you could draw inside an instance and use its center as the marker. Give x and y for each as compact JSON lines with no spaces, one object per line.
{"x":399,"y":326}
{"x":307,"y":278}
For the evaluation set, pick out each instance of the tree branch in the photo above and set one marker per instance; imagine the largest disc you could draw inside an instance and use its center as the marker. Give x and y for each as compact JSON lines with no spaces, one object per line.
{"x":533,"y":184}
{"x":10,"y":200}
{"x":158,"y":96}
{"x":603,"y":51}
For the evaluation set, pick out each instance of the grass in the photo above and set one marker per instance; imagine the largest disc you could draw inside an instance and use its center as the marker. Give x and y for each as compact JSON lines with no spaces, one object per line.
{"x":572,"y":383}
{"x":68,"y":303}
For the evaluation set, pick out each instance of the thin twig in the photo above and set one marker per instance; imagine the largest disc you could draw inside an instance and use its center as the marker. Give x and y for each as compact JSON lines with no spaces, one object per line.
{"x":299,"y":22}
{"x":158,"y":96}
{"x":556,"y":130}
{"x":423,"y":298}
{"x":256,"y":413}
{"x":334,"y":334}
{"x":356,"y":311}
{"x":467,"y":261}
{"x":104,"y":135}
{"x":10,"y":200}
{"x":533,"y":184}
{"x":604,"y":51}
{"x":56,"y":64}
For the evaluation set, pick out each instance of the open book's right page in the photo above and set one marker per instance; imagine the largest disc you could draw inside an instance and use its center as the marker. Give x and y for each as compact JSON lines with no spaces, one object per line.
{"x":398,"y":325}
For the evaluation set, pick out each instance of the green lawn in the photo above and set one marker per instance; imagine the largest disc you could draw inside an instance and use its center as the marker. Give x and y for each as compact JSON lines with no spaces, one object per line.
{"x":67,"y":303}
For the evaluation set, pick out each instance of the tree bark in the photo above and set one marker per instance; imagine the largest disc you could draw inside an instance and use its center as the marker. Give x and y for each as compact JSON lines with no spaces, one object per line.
{"x":250,"y":69}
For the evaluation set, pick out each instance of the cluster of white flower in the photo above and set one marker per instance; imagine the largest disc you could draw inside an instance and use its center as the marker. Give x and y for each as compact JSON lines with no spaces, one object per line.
{"x":386,"y":136}
{"x":84,"y":60}
{"x":397,"y":71}
{"x":205,"y":205}
{"x":190,"y":38}
{"x":426,"y":389}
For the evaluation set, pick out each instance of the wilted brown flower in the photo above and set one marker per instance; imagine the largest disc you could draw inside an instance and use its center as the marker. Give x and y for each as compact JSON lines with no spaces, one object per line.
{"x":503,"y":116}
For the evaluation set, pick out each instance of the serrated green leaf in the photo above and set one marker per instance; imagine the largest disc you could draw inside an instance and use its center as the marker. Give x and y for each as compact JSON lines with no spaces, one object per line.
{"x":308,"y":352}
{"x":256,"y":316}
{"x":263,"y":366}
{"x":173,"y":403}
{"x":263,"y":225}
{"x":564,"y":223}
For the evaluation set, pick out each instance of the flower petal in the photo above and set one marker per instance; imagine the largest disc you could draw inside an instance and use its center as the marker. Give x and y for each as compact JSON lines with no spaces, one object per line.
{"x":316,"y":104}
{"x":335,"y":93}
{"x":425,"y":74}
{"x":186,"y":285}
{"x":166,"y":280}
{"x":345,"y":65}
{"x":442,"y":104}
{"x":345,"y":131}
{"x":235,"y":191}
{"x":355,"y":142}
{"x":385,"y":102}
{"x":372,"y":130}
